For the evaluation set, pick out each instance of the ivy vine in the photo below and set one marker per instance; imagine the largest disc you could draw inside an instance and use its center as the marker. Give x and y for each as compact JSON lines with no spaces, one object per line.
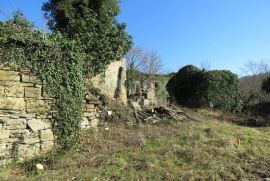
{"x":56,"y":61}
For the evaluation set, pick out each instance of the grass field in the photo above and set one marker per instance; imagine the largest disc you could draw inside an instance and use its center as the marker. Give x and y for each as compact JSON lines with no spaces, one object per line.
{"x":207,"y":150}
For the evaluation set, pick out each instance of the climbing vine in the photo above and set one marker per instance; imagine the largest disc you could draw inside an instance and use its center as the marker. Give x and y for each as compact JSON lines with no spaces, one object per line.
{"x":56,"y":61}
{"x":62,"y":59}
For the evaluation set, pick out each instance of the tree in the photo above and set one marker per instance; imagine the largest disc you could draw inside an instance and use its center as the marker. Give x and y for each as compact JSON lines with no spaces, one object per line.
{"x":251,"y":84}
{"x":19,"y":20}
{"x":94,"y":24}
{"x":134,"y":58}
{"x":151,"y":63}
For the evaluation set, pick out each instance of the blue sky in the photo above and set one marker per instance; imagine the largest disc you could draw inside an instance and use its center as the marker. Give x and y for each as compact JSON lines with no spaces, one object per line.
{"x":224,"y":33}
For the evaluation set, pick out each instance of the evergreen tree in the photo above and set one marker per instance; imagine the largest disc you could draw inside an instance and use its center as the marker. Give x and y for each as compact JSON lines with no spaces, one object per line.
{"x":93,"y":23}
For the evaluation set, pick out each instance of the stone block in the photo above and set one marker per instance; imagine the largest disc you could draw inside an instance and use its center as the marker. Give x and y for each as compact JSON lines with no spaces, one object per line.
{"x":84,"y":123}
{"x":46,"y":135}
{"x":136,"y":106}
{"x":31,"y":138}
{"x":146,"y":102}
{"x":16,"y":124}
{"x":47,"y":146}
{"x":11,"y":89}
{"x":28,"y":151}
{"x":10,"y":103}
{"x":17,"y":133}
{"x":90,"y":107}
{"x":32,"y":92}
{"x":94,"y":123}
{"x":37,"y":124}
{"x":89,"y":115}
{"x":36,"y":106}
{"x":25,"y":78}
{"x":4,"y":134}
{"x":9,"y":76}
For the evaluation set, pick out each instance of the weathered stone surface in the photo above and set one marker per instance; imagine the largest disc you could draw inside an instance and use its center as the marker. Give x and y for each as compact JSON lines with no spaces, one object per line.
{"x":32,"y":92}
{"x":10,"y":103}
{"x":28,"y":78}
{"x":25,"y":78}
{"x":146,"y":102}
{"x":89,"y":115}
{"x":27,"y":116}
{"x":36,"y":106}
{"x":94,"y":123}
{"x":136,"y":106}
{"x":46,"y":146}
{"x":16,"y":124}
{"x":11,"y":89}
{"x":84,"y":123}
{"x":37,"y":124}
{"x":113,"y":81}
{"x":28,"y":151}
{"x":31,"y":138}
{"x":90,"y":108}
{"x":46,"y":135}
{"x":4,"y":134}
{"x":9,"y":75}
{"x":2,"y":150}
{"x":3,"y":120}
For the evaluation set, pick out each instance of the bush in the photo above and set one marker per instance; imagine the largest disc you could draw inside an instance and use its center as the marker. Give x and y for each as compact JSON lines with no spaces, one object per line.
{"x":223,"y":90}
{"x":195,"y":88}
{"x":266,"y":85}
{"x":184,"y":87}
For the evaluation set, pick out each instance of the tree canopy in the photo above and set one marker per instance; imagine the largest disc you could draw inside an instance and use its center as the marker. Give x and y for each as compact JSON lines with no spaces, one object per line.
{"x":94,"y":24}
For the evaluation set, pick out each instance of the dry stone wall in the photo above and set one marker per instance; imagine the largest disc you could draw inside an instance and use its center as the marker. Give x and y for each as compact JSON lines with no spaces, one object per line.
{"x":26,"y":117}
{"x":143,"y":93}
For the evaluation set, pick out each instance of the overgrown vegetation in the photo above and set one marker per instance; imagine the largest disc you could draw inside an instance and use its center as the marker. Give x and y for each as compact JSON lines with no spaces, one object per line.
{"x":85,"y":38}
{"x":196,"y":88}
{"x":266,"y":85}
{"x":206,"y":150}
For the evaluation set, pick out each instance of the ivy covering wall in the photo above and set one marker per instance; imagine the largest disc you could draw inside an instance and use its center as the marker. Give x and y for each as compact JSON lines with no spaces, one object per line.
{"x":61,"y":62}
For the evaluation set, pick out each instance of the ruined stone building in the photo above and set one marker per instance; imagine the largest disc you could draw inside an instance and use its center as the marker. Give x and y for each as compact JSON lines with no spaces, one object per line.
{"x":26,"y":115}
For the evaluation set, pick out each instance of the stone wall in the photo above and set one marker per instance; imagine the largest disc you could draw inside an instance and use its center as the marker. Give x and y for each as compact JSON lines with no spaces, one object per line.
{"x":26,"y":117}
{"x":143,"y":93}
{"x":111,"y":82}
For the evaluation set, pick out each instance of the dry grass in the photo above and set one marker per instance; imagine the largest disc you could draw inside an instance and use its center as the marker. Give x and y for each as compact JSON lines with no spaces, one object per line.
{"x":206,"y":150}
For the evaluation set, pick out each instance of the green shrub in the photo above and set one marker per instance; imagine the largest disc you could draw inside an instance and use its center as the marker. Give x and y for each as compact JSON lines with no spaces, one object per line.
{"x":185,"y":88}
{"x":223,"y":90}
{"x":195,"y":88}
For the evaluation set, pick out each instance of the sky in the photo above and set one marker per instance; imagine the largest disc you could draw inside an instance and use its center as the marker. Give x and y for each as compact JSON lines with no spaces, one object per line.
{"x":224,"y":34}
